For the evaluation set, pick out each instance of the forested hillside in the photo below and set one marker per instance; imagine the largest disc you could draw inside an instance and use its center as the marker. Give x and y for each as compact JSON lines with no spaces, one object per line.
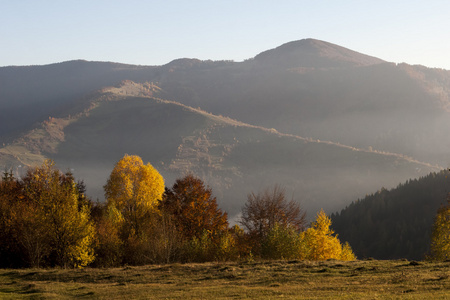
{"x":394,"y":223}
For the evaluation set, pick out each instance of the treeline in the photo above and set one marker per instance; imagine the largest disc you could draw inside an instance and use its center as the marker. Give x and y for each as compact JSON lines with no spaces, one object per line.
{"x":397,"y":223}
{"x":46,"y":220}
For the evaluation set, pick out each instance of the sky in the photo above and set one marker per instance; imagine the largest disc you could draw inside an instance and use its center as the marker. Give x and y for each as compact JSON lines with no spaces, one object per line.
{"x":156,"y":32}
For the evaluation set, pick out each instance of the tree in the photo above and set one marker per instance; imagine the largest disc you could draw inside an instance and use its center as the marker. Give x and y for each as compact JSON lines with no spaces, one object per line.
{"x":194,"y":208}
{"x":10,"y":194}
{"x":134,"y":190}
{"x":319,"y":243}
{"x":49,"y":222}
{"x":265,"y":209}
{"x":440,"y":238}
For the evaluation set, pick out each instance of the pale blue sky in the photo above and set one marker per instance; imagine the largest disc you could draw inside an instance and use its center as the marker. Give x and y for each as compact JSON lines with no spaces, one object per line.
{"x":36,"y":32}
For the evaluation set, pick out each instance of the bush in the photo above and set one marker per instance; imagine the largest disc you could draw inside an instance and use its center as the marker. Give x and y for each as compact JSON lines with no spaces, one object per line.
{"x":282,"y":242}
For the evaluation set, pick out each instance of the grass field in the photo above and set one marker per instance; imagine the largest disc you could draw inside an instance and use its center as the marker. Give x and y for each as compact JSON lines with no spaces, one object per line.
{"x":369,"y":279}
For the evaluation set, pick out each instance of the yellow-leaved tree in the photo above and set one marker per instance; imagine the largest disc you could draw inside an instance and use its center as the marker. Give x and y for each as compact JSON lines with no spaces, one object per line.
{"x":132,"y":193}
{"x":319,"y":243}
{"x":134,"y":190}
{"x":440,"y":238}
{"x":52,"y":219}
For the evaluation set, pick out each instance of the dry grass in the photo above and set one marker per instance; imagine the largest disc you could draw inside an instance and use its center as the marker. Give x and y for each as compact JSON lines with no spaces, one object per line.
{"x":263,"y":280}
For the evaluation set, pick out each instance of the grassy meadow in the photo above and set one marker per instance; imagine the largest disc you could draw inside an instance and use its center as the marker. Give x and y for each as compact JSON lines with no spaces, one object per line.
{"x":364,"y":279}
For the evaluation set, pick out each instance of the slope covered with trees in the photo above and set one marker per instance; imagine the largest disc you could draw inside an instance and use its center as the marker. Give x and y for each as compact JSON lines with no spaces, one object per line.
{"x":394,"y":223}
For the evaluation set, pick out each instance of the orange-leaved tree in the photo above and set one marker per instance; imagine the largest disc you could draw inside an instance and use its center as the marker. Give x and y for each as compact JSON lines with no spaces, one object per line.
{"x":194,"y":208}
{"x":197,"y":217}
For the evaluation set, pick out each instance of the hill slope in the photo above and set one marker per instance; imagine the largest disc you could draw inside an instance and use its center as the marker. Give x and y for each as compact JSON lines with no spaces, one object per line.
{"x":308,"y":88}
{"x":30,"y":94}
{"x":232,"y":157}
{"x":396,"y":223}
{"x":394,"y":108}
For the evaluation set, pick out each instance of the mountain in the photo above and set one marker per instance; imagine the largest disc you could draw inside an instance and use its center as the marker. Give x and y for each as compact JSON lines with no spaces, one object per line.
{"x":330,"y":124}
{"x":234,"y":158}
{"x":30,"y":94}
{"x":311,"y":53}
{"x":396,"y":223}
{"x":394,"y":108}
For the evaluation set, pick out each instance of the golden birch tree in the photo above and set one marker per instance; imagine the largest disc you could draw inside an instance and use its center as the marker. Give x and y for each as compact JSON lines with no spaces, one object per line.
{"x":134,"y":190}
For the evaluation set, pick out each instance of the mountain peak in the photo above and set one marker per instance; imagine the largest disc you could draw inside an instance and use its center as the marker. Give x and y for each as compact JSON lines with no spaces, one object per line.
{"x":314,"y":53}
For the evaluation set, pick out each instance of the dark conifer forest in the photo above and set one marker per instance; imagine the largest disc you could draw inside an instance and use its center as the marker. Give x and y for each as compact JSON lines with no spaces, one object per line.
{"x":396,"y":223}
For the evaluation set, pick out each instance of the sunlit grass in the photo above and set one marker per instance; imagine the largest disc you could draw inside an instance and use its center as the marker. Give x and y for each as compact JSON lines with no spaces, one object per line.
{"x":235,"y":280}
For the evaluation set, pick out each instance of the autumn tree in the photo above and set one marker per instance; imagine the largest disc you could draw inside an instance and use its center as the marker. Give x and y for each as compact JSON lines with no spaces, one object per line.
{"x":319,"y":243}
{"x":48,"y":224}
{"x":440,"y":238}
{"x":265,"y":209}
{"x":55,"y":198}
{"x":134,"y":190}
{"x":132,"y":193}
{"x":197,"y":217}
{"x":194,"y":208}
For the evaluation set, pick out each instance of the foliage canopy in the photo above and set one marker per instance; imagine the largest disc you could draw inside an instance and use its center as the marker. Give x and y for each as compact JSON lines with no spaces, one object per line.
{"x":194,"y":208}
{"x":134,"y":190}
{"x":49,"y":218}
